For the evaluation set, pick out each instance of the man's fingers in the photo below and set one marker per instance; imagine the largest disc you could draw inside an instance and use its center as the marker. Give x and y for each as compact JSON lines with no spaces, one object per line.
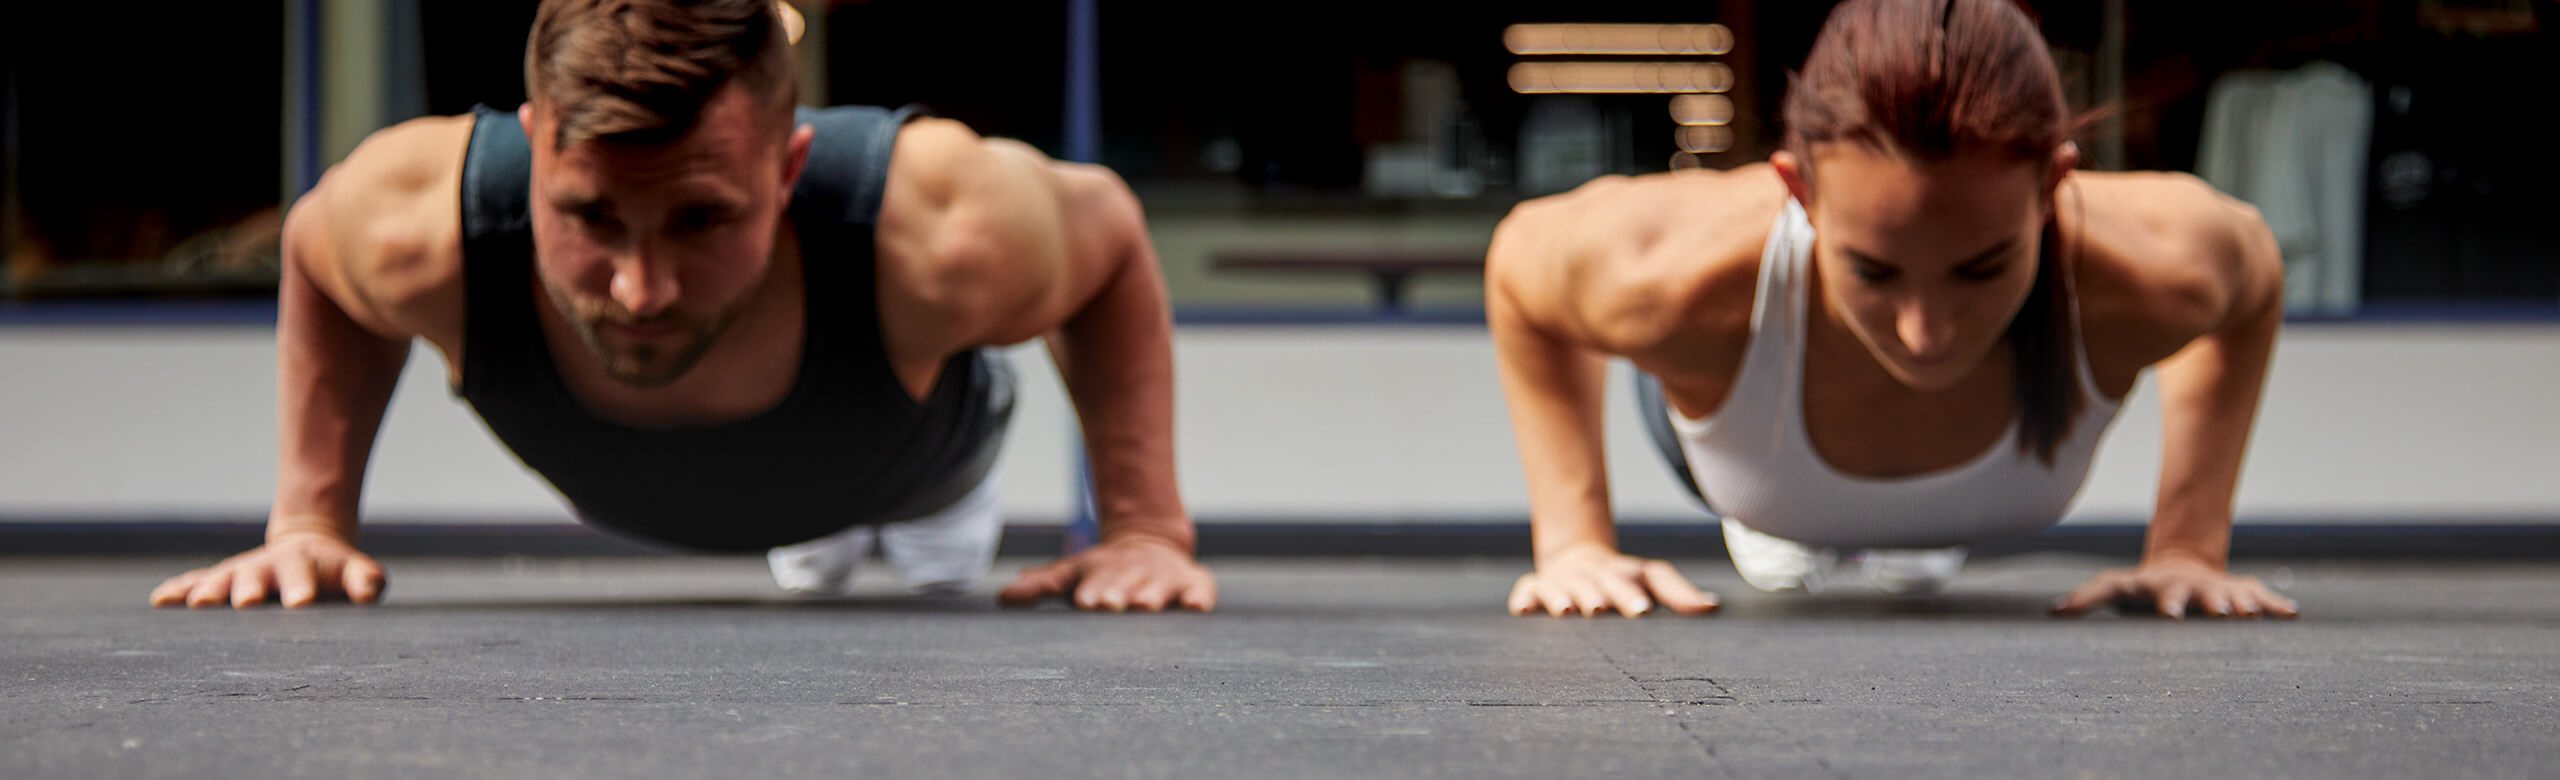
{"x":1107,"y":598}
{"x":1675,"y":591}
{"x":1151,"y":596}
{"x":1084,"y":593}
{"x":1106,"y":590}
{"x":1036,"y":584}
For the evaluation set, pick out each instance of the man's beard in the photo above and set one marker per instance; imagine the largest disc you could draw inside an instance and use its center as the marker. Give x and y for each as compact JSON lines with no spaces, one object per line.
{"x":645,"y":364}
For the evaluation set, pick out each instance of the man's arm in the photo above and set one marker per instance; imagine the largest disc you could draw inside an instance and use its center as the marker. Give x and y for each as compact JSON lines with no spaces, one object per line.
{"x":366,"y":261}
{"x":989,"y":242}
{"x":1115,"y":355}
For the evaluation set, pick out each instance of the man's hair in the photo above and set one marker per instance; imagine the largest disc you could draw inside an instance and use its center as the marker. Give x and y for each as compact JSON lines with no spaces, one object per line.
{"x":640,"y":71}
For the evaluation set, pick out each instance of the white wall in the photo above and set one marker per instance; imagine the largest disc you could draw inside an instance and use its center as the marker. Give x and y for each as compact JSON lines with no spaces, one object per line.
{"x":2363,"y":423}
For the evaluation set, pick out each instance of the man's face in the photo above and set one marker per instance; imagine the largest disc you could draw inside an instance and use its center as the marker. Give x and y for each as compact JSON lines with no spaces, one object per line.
{"x":651,"y":252}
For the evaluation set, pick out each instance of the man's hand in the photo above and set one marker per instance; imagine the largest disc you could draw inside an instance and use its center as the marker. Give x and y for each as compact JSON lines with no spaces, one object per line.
{"x":1589,"y":580}
{"x":2171,"y":586}
{"x":297,"y":567}
{"x":1131,"y":572}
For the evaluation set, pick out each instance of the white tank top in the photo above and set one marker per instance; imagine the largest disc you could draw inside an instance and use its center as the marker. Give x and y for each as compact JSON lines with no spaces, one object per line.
{"x":1758,"y":466}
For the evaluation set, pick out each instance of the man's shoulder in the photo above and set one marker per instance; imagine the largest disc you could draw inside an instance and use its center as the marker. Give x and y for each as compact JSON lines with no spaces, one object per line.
{"x":388,"y":225}
{"x":407,"y":158}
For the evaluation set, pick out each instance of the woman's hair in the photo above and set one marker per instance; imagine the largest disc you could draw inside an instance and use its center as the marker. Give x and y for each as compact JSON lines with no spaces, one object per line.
{"x":1934,"y":78}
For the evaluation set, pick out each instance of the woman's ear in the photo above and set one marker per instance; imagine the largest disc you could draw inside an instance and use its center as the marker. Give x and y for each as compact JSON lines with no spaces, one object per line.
{"x":2066,"y":158}
{"x":1792,"y":170}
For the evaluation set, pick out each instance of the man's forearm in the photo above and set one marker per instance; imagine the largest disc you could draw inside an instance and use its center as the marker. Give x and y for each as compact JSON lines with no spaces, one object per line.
{"x":334,"y":379}
{"x":1116,"y":357}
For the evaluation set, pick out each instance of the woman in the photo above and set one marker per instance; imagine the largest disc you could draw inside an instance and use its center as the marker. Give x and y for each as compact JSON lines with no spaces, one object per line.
{"x":1904,"y":332}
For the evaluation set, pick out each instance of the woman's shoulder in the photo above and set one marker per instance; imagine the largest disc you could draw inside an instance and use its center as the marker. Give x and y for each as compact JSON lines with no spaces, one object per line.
{"x":1635,"y":260}
{"x":2163,"y":258}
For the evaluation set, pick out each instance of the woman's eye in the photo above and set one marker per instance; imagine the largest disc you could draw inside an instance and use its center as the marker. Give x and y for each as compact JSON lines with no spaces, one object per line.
{"x":1982,"y":274}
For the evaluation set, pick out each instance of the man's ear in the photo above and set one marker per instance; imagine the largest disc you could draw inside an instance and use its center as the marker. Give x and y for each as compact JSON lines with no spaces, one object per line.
{"x":795,"y":156}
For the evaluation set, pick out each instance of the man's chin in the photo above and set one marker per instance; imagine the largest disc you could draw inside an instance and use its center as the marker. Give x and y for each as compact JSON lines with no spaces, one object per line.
{"x":645,"y":380}
{"x":644,"y":373}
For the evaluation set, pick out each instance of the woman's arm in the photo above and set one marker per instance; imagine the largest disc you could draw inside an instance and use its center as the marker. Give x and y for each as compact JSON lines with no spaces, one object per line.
{"x":2209,"y":401}
{"x":1552,"y":381}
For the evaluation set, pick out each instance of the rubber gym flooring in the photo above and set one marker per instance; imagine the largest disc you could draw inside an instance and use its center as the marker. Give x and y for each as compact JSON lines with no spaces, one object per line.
{"x":1326,"y":667}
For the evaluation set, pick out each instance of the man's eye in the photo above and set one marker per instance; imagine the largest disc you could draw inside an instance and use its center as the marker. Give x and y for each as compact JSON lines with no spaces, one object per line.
{"x":700,"y":219}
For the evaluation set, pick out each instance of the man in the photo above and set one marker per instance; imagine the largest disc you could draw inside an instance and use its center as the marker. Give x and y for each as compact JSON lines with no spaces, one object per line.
{"x":714,"y":322}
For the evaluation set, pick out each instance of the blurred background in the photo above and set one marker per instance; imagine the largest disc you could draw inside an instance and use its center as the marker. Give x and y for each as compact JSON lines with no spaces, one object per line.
{"x":1321,"y":179}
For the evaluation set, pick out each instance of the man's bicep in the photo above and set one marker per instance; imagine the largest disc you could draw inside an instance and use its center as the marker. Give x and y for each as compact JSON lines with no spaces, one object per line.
{"x":318,"y":241}
{"x":380,"y":243}
{"x":970,"y":233}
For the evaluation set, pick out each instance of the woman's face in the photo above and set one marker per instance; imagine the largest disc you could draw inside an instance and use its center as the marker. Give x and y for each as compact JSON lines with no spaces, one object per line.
{"x":1926,"y":262}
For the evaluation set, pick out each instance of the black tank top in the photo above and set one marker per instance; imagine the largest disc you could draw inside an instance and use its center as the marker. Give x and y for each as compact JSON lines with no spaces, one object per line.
{"x":846,"y":446}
